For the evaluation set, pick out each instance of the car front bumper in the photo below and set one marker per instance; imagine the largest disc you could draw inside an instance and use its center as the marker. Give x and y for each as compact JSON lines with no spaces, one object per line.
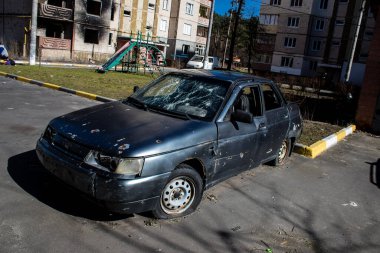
{"x":110,"y":191}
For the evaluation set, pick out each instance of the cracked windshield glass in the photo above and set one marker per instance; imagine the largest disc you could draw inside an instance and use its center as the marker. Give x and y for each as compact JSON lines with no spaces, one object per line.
{"x":186,"y":95}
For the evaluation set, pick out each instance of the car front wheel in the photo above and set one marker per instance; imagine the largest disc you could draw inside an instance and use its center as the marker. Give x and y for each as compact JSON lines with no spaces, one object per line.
{"x":181,"y":195}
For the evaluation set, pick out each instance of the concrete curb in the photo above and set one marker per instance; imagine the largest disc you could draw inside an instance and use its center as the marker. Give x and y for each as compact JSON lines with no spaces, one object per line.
{"x":317,"y":148}
{"x":57,"y":87}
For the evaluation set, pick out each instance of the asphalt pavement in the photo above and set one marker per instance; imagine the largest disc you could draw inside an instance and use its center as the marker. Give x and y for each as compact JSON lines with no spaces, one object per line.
{"x":329,"y":204}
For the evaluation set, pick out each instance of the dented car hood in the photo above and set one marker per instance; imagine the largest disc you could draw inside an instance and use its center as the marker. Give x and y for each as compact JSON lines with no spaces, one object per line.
{"x":122,"y":130}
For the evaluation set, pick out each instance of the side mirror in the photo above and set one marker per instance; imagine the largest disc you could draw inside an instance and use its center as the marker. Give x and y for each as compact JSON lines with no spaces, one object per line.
{"x":242,"y":116}
{"x":135,"y":88}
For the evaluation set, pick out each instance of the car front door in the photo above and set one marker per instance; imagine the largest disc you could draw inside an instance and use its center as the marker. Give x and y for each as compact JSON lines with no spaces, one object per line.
{"x":238,"y":142}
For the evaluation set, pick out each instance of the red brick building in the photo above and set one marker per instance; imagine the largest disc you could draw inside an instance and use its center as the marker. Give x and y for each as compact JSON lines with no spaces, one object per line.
{"x":368,"y":113}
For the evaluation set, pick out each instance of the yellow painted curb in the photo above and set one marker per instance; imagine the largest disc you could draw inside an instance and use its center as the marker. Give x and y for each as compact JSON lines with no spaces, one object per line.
{"x":85,"y":94}
{"x":319,"y":147}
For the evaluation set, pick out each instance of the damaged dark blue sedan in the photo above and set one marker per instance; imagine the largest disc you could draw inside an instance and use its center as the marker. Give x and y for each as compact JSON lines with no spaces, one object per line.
{"x":160,"y":148}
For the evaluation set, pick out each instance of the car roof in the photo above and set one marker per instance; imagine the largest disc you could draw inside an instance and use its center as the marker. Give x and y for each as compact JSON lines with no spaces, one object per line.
{"x":223,"y":75}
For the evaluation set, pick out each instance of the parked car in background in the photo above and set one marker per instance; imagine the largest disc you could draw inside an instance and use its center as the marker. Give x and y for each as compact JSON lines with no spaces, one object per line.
{"x":197,"y":61}
{"x":161,"y":148}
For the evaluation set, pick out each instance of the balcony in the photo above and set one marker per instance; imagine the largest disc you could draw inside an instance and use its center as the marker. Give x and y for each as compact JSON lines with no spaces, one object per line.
{"x":201,"y":40}
{"x":54,"y":43}
{"x":55,"y":12}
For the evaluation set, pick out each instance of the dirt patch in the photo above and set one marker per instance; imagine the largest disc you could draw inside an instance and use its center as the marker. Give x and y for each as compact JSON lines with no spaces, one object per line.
{"x":314,"y":131}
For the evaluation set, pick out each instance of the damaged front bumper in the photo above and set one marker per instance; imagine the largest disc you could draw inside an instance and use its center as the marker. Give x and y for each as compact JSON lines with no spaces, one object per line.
{"x":113,"y":192}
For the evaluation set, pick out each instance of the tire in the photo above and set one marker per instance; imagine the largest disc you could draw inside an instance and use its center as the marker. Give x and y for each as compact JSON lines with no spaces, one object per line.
{"x":181,"y":194}
{"x":282,"y":154}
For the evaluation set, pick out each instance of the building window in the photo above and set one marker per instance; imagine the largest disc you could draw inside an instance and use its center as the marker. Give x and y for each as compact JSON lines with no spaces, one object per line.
{"x":127,"y":13}
{"x":296,"y":3}
{"x":91,"y":36}
{"x":275,"y":2}
{"x":187,"y":29}
{"x":163,"y":25}
{"x":200,"y":49}
{"x":313,"y":65}
{"x":316,"y":45}
{"x":263,"y":58}
{"x":202,"y":31}
{"x":319,"y":25}
{"x":266,"y":39}
{"x":335,"y":43}
{"x":204,"y":11}
{"x":293,"y":22}
{"x":165,"y":4}
{"x":268,"y":19}
{"x":185,"y":49}
{"x":339,"y":22}
{"x":112,"y":12}
{"x":151,"y":6}
{"x":189,"y":8}
{"x":94,"y":7}
{"x":110,"y":39}
{"x":290,"y":42}
{"x":323,"y":4}
{"x":287,"y":62}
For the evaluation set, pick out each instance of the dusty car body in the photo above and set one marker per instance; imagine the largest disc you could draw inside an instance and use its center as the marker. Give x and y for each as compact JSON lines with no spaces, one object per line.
{"x":172,"y":139}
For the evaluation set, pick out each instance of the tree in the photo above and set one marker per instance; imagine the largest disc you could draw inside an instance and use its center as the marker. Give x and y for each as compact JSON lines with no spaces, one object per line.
{"x":237,"y":15}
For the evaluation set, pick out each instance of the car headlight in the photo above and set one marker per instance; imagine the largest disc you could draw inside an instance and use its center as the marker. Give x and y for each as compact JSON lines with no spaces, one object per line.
{"x":123,"y":166}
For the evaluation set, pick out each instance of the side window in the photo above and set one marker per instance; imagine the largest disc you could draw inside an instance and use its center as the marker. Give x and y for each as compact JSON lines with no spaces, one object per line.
{"x":271,"y":99}
{"x":248,"y":100}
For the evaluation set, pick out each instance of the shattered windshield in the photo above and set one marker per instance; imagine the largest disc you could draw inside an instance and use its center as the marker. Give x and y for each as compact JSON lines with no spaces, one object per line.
{"x":186,"y":95}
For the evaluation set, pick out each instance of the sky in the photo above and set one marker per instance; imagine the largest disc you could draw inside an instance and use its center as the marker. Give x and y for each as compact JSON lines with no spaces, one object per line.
{"x":252,"y":7}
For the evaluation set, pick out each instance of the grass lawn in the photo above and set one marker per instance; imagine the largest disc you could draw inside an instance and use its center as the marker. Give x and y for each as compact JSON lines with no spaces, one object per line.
{"x":112,"y":84}
{"x":314,"y":131}
{"x":119,"y":85}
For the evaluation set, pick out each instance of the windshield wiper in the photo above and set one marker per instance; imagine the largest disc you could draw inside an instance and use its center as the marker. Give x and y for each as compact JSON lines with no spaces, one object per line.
{"x":137,"y":102}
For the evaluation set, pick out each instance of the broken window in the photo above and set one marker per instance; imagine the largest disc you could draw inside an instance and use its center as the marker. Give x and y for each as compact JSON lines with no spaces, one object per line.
{"x":185,"y":95}
{"x":91,"y":36}
{"x":127,"y":13}
{"x":54,"y":30}
{"x":202,"y":31}
{"x":94,"y":7}
{"x":204,"y":11}
{"x":112,"y":12}
{"x":185,"y":49}
{"x":110,"y":39}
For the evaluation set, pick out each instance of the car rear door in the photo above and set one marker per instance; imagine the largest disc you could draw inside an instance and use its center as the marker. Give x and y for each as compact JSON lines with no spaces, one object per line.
{"x":276,"y":121}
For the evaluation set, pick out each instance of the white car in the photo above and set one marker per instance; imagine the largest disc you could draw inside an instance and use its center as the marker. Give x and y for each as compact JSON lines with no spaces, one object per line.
{"x":196,"y":62}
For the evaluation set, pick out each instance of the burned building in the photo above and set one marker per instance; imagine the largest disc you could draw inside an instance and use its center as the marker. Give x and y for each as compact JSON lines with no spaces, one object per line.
{"x":67,"y":30}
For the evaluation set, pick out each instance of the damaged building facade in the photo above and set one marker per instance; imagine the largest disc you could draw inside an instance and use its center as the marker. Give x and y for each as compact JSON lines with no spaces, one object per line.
{"x":67,"y":30}
{"x":92,"y":30}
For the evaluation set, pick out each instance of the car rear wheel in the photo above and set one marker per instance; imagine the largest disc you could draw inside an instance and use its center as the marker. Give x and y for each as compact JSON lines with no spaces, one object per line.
{"x":181,"y":195}
{"x":283,"y":153}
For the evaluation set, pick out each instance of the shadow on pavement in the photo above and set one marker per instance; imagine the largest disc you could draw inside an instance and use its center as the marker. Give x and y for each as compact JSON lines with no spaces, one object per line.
{"x":26,"y":170}
{"x":374,"y":173}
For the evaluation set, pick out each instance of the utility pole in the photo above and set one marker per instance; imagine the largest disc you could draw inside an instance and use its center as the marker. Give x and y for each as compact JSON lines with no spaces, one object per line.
{"x":352,"y":53}
{"x":228,"y":35}
{"x":33,"y":34}
{"x":211,"y":20}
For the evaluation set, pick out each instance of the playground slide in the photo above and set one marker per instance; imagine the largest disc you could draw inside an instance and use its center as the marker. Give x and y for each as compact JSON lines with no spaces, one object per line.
{"x":117,"y":57}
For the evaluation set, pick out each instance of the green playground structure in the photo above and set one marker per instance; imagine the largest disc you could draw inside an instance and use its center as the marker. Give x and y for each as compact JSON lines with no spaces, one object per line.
{"x":136,"y":54}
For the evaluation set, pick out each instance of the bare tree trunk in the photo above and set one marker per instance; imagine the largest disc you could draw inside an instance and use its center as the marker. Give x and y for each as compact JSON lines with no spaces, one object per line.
{"x":233,"y":39}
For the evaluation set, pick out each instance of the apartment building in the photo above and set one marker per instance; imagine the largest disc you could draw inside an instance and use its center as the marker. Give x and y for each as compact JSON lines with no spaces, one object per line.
{"x":188,"y":28}
{"x":149,"y":18}
{"x":67,"y":30}
{"x":311,"y":38}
